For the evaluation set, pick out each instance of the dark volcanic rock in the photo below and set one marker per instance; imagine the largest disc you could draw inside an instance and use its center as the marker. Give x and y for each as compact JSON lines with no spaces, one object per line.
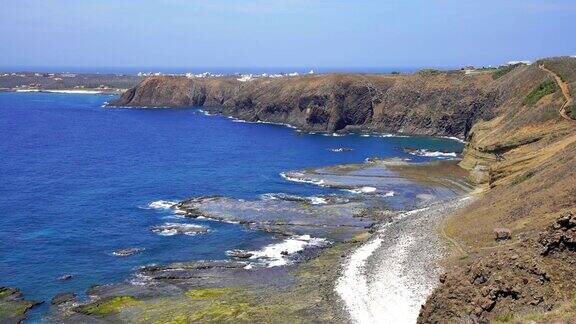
{"x":62,"y":298}
{"x":474,"y":293}
{"x":560,"y":236}
{"x":127,"y":252}
{"x":179,"y":228}
{"x":240,"y":254}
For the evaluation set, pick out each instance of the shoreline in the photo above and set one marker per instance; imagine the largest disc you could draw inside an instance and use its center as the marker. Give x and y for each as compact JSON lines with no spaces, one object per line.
{"x":306,"y":289}
{"x":335,"y":262}
{"x":94,"y":91}
{"x":218,"y":111}
{"x":390,"y":276}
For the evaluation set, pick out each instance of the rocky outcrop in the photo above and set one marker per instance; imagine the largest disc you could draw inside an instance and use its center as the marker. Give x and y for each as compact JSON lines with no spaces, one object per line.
{"x":560,"y":236}
{"x":508,"y":281}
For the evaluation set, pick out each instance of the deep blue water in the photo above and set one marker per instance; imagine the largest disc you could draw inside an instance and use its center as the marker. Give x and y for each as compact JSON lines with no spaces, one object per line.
{"x":217,"y":70}
{"x":75,"y":178}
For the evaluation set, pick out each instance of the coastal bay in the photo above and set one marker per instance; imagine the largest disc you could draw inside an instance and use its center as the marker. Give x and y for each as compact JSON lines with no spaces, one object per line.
{"x":140,"y":205}
{"x":356,"y":213}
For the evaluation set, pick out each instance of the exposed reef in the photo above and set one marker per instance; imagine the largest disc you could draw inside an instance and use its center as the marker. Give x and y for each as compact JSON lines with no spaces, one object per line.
{"x":291,"y":278}
{"x":13,"y":306}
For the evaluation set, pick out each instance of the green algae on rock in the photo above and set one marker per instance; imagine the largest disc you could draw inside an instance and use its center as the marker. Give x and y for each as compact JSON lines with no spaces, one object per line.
{"x":13,"y":307}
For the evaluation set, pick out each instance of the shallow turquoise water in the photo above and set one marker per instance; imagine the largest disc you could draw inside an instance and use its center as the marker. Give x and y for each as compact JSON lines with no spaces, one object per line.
{"x":76,"y":180}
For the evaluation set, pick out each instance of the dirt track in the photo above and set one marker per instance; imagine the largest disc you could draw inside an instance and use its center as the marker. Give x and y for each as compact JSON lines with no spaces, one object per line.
{"x":565,"y":91}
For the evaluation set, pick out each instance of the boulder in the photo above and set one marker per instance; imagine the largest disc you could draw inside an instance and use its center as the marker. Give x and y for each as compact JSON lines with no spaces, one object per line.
{"x":502,"y":234}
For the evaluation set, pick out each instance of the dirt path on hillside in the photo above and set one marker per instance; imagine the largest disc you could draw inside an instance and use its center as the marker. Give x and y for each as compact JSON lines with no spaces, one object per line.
{"x":565,"y":91}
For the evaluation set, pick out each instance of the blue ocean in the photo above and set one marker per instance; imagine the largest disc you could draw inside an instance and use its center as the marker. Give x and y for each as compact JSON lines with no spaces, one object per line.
{"x":77,"y":180}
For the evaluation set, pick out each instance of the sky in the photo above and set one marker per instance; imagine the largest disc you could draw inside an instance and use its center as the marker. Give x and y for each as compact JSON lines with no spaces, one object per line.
{"x":283,"y":33}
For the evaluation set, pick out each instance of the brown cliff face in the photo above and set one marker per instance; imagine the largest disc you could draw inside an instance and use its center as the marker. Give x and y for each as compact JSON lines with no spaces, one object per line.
{"x":445,"y":104}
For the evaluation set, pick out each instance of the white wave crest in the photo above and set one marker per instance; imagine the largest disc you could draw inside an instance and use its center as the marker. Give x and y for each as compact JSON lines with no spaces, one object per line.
{"x":362,"y":190}
{"x":318,"y":201}
{"x":340,"y":149}
{"x":162,"y":204}
{"x":438,"y":154}
{"x":311,"y":200}
{"x":204,"y":112}
{"x":303,"y":179}
{"x":334,"y":134}
{"x":384,"y":135}
{"x":170,"y":229}
{"x":389,"y":194}
{"x":454,"y":139}
{"x":276,"y":255}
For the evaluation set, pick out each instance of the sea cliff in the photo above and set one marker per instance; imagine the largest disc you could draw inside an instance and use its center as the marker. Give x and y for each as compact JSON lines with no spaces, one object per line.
{"x":428,"y":103}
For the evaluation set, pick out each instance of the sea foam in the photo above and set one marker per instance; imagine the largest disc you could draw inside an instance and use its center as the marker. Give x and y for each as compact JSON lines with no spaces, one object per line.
{"x":278,"y":254}
{"x":320,"y":183}
{"x":362,"y":190}
{"x":162,"y":204}
{"x":437,"y":154}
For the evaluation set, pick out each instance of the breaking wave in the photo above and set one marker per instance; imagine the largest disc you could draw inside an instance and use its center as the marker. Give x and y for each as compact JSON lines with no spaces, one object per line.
{"x":162,"y":204}
{"x":436,"y":154}
{"x":278,"y":254}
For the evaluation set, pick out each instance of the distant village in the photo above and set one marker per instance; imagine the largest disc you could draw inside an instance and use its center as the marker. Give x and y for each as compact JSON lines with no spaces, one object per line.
{"x":240,"y":77}
{"x":117,"y":82}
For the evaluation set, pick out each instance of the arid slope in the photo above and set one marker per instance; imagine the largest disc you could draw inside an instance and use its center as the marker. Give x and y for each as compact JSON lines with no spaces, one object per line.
{"x":526,"y":156}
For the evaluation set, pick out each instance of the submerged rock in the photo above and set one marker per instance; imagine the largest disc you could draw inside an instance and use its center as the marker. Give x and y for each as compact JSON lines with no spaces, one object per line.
{"x":341,"y":149}
{"x":127,"y":252}
{"x":170,"y":229}
{"x":65,"y":277}
{"x":240,"y":254}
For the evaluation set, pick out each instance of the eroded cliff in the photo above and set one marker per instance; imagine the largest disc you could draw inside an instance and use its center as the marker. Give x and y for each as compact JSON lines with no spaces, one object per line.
{"x":439,"y":103}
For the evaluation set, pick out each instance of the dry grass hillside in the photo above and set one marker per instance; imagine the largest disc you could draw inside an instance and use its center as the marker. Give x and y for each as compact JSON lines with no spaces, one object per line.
{"x":526,"y":156}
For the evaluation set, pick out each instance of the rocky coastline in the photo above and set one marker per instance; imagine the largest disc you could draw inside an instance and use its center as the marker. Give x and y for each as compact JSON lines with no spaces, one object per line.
{"x":448,"y":103}
{"x":292,"y":279}
{"x":520,"y":146}
{"x":520,"y":155}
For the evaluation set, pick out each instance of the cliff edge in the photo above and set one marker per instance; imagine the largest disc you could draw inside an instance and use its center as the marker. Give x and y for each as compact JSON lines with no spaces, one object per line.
{"x":427,"y":103}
